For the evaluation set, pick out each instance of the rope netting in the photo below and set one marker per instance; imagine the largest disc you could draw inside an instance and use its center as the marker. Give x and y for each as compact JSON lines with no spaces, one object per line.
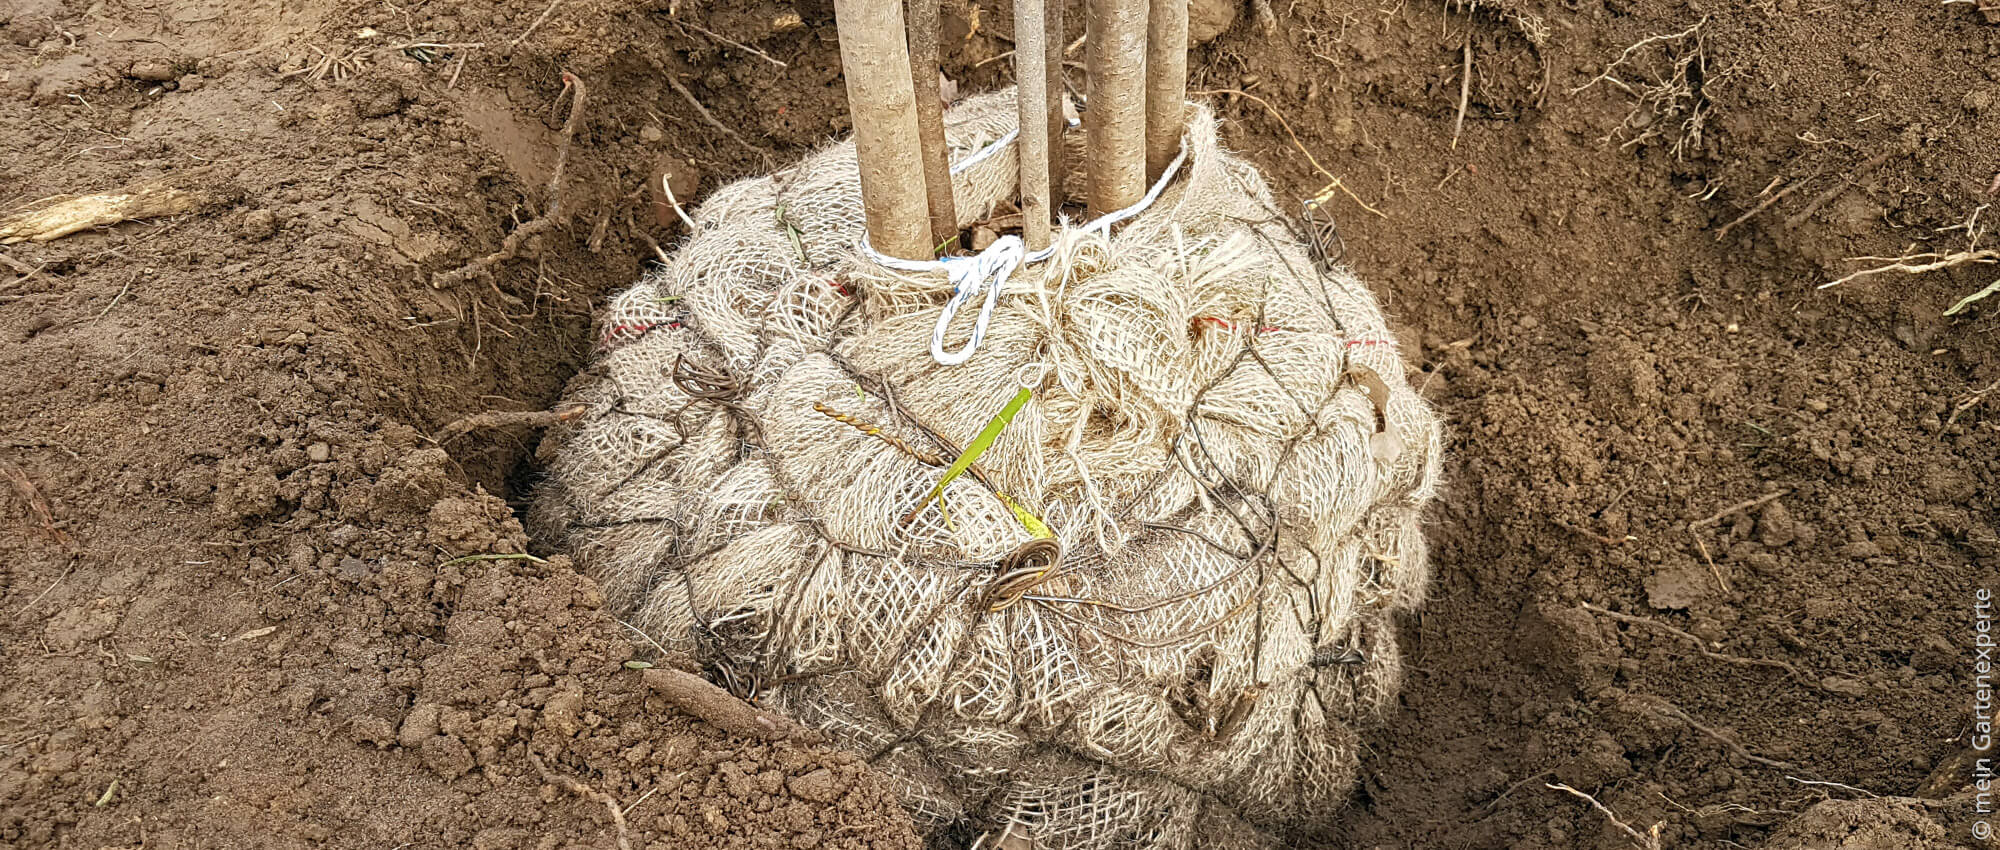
{"x":1156,"y":608}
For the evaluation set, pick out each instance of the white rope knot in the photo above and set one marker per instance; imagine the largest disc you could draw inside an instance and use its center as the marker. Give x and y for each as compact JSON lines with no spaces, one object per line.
{"x":989,"y":270}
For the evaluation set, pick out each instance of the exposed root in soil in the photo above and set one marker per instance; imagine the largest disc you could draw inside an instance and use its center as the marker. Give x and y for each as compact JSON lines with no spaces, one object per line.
{"x":1701,"y":647}
{"x":549,"y":219}
{"x":1744,"y":505}
{"x":1928,"y":261}
{"x":1464,"y":93}
{"x":578,"y":788}
{"x":1662,"y":91}
{"x":1738,"y":749}
{"x":1825,"y":784}
{"x":1648,"y":841}
{"x":1325,"y":194}
{"x":1822,"y":198}
{"x":710,"y":119}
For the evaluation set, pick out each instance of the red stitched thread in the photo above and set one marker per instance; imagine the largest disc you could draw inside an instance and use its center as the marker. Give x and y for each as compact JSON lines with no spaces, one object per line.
{"x":1227,"y":325}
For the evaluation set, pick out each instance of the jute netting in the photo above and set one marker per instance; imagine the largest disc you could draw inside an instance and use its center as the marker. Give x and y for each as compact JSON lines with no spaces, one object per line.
{"x":1219,"y":441}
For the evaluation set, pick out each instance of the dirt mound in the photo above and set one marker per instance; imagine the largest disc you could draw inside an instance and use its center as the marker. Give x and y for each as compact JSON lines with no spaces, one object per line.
{"x":239,"y":605}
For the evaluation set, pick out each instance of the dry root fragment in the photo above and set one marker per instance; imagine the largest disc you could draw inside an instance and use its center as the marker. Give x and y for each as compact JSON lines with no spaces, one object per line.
{"x":37,"y":505}
{"x":1649,"y":840}
{"x":577,"y":787}
{"x":169,"y":196}
{"x":510,"y":247}
{"x":721,"y":709}
{"x":1663,"y":90}
{"x":509,"y":419}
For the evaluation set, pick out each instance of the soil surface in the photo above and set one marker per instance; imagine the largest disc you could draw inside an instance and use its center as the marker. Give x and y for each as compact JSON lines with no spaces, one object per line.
{"x":255,"y":591}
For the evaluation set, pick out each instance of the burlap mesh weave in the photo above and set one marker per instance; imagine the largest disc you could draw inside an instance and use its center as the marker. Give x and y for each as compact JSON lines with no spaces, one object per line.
{"x":1220,"y":438}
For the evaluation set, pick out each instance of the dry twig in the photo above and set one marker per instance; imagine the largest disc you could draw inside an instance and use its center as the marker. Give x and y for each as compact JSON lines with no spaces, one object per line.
{"x":1739,"y":506}
{"x":1769,"y":200}
{"x":535,"y":26}
{"x":1822,"y":198}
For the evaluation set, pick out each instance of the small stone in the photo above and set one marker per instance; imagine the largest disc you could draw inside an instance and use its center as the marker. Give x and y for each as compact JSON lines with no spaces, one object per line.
{"x":319,"y":452}
{"x":716,"y":822}
{"x":1676,"y":586}
{"x":562,"y":709}
{"x":1210,"y":18}
{"x":352,"y":569}
{"x":447,"y":756}
{"x":1775,"y":527}
{"x":1844,"y":686}
{"x":153,"y":71}
{"x":419,"y":726}
{"x":192,"y":82}
{"x":817,"y":786}
{"x":1861,"y":550}
{"x":258,"y":225}
{"x":651,"y":134}
{"x":369,"y":729}
{"x":1816,"y":405}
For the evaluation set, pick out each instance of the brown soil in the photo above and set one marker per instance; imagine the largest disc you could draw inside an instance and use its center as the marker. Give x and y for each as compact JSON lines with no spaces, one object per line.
{"x":236,"y":609}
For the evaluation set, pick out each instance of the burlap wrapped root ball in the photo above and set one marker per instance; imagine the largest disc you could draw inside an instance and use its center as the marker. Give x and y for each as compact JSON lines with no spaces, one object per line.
{"x":1219,"y":438}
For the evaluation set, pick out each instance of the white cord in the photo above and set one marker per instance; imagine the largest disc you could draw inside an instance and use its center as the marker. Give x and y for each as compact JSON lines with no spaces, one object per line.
{"x":989,"y":270}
